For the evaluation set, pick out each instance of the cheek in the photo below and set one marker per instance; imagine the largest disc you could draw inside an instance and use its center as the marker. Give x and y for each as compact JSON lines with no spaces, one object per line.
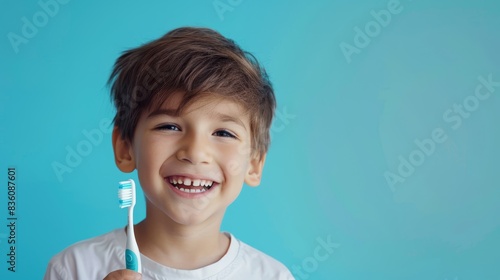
{"x":149,"y":160}
{"x":235,"y":168}
{"x":235,"y":161}
{"x":148,"y":156}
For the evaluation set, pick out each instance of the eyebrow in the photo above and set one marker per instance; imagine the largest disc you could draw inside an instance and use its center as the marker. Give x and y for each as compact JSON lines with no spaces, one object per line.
{"x":168,"y":112}
{"x":220,"y":116}
{"x":228,"y":118}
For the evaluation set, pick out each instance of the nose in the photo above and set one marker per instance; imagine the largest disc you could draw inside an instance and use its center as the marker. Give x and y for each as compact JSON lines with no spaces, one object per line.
{"x":194,"y":149}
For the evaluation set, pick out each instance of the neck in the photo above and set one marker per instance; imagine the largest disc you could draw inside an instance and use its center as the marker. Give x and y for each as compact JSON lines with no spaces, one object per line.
{"x":178,"y":245}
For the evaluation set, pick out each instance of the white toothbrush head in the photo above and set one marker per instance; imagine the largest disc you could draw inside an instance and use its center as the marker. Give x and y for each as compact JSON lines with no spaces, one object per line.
{"x":126,"y":193}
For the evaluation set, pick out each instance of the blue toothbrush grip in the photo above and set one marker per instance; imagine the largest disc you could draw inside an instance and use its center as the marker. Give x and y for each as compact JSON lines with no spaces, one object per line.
{"x":131,"y":261}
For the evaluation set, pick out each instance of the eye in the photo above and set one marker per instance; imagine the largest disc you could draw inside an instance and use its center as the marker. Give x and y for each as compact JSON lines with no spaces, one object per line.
{"x":168,"y":127}
{"x":224,"y":133}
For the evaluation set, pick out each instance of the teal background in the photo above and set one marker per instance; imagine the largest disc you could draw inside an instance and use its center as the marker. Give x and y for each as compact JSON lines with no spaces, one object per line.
{"x":342,"y":127}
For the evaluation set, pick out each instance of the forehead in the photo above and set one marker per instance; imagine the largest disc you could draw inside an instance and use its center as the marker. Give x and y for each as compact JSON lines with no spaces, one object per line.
{"x":207,"y":103}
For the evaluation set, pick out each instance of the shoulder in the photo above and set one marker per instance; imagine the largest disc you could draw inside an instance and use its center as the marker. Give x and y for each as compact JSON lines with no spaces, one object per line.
{"x":88,"y":247}
{"x":87,"y":257}
{"x":263,"y":265}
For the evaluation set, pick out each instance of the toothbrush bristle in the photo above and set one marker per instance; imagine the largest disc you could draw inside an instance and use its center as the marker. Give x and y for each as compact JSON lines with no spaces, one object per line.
{"x":125,"y":194}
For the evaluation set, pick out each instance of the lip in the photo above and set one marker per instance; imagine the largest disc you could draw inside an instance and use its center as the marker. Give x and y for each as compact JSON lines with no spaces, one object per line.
{"x":191,"y":195}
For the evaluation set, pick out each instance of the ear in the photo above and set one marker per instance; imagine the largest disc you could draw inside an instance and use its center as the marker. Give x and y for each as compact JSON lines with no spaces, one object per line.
{"x":124,"y":156}
{"x":254,"y":172}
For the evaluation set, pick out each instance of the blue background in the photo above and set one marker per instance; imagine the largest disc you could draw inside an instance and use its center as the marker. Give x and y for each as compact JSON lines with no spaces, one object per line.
{"x":345,"y":121}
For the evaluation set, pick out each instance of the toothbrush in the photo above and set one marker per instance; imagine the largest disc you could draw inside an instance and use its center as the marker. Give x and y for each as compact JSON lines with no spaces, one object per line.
{"x":126,"y":199}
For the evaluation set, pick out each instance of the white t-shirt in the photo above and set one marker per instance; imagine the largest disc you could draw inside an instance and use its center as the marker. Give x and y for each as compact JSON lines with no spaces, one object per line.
{"x":97,"y":257}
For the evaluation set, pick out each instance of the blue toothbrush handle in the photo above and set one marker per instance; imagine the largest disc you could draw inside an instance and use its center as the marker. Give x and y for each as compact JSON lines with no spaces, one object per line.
{"x":131,"y":260}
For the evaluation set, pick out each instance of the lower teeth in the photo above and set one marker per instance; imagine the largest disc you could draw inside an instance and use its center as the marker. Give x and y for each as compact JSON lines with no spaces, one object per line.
{"x":204,"y":189}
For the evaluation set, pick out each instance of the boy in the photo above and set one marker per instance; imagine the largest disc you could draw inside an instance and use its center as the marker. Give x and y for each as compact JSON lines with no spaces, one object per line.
{"x":193,"y":118}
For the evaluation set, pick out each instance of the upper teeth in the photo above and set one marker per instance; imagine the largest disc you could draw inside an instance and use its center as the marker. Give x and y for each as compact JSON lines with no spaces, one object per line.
{"x":188,"y":182}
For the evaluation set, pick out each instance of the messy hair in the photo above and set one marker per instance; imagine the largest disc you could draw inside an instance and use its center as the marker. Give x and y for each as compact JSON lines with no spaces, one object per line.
{"x":198,"y":62}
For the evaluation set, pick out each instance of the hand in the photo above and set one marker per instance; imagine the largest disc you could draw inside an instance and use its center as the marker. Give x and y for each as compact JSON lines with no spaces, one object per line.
{"x":123,"y":274}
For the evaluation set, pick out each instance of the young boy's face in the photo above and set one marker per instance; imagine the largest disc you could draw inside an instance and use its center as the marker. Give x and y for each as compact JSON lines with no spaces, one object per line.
{"x":208,"y":144}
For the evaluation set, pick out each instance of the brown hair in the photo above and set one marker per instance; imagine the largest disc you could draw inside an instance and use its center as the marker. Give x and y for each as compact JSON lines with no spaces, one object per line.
{"x":197,"y":62}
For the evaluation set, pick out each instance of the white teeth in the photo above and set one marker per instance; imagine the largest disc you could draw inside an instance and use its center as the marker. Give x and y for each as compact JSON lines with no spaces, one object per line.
{"x":190,"y":190}
{"x":179,"y":181}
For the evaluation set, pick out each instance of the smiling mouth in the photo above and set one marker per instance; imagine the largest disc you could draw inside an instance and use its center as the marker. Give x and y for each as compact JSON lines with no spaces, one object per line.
{"x":190,"y":185}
